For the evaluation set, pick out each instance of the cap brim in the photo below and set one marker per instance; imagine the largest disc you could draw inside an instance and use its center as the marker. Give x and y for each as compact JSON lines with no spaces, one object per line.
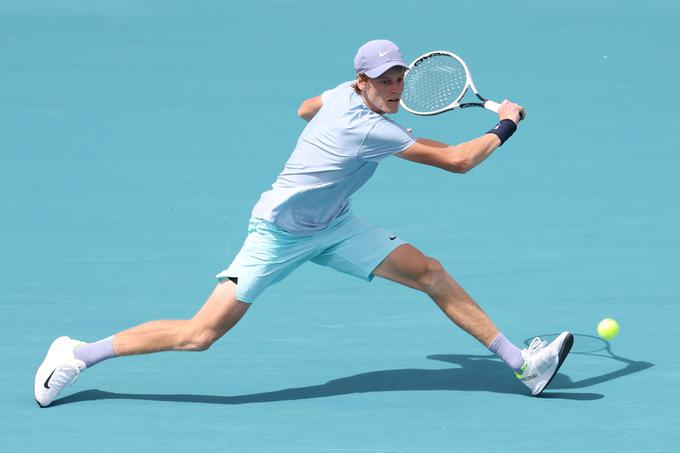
{"x":381,"y":69}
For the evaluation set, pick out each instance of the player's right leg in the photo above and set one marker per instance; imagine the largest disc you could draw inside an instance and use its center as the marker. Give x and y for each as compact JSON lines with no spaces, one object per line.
{"x":62,"y":364}
{"x":534,"y":366}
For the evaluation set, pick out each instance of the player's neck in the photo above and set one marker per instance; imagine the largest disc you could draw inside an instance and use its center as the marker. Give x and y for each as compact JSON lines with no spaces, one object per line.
{"x":370,"y":105}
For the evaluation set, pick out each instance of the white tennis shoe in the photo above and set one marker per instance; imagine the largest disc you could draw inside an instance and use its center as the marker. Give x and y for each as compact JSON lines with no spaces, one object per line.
{"x":59,"y":369}
{"x":542,"y":360}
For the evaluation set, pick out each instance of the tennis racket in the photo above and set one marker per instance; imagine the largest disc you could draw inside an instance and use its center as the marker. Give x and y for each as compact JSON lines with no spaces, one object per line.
{"x":436,"y":82}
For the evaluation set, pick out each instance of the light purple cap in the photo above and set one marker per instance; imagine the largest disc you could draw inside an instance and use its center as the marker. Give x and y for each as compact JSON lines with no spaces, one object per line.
{"x":376,"y":57}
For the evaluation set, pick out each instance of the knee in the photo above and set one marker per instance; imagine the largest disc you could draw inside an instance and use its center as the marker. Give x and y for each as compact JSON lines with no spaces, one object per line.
{"x":431,"y":274}
{"x":201,"y":343}
{"x":195,"y":338}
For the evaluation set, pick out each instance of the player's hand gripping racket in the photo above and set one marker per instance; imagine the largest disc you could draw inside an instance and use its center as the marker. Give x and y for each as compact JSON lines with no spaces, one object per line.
{"x":436,"y":82}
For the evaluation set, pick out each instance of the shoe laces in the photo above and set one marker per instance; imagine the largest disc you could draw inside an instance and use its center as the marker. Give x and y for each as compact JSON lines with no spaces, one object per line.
{"x":65,"y":375}
{"x":536,"y":344}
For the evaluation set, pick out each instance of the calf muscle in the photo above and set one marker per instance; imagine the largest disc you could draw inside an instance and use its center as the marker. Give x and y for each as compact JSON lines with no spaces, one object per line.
{"x":408,"y":266}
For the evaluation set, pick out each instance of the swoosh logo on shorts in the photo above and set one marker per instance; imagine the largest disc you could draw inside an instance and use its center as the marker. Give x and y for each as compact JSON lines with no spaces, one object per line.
{"x":47,"y":381}
{"x":392,"y":238}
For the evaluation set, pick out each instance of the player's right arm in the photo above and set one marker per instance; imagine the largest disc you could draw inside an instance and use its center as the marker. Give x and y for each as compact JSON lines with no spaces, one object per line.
{"x":456,"y":159}
{"x":310,"y":107}
{"x":465,"y":156}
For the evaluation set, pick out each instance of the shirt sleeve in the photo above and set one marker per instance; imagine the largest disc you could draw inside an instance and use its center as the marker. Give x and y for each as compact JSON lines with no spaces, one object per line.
{"x":384,"y":139}
{"x":326,"y":95}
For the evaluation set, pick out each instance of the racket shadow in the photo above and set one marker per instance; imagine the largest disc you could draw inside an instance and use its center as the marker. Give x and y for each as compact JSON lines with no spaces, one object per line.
{"x":590,"y":345}
{"x":479,"y":373}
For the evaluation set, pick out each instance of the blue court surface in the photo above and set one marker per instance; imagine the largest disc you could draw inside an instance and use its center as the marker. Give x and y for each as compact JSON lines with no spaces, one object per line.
{"x":135,"y":137}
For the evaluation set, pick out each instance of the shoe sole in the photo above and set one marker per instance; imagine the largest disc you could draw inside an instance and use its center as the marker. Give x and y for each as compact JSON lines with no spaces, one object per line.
{"x":561,"y":356}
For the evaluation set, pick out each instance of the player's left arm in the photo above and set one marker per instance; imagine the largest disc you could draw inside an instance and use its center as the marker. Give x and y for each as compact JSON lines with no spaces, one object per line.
{"x":310,"y":107}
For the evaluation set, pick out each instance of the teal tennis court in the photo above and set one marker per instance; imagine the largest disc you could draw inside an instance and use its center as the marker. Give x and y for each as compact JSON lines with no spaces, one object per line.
{"x":135,"y":138}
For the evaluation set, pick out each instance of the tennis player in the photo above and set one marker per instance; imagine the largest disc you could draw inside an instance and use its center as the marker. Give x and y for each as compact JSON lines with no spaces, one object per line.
{"x":307,"y":216}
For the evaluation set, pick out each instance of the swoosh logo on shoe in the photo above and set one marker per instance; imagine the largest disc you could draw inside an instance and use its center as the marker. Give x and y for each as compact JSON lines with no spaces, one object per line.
{"x":47,"y":381}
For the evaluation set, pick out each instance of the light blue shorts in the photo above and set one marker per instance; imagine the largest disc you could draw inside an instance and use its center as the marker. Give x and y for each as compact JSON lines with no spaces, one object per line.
{"x":269,"y":254}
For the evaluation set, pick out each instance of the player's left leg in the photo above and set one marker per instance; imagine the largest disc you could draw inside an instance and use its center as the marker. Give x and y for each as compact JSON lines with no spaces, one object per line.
{"x":268,"y":255}
{"x":67,"y":358}
{"x":221,"y":311}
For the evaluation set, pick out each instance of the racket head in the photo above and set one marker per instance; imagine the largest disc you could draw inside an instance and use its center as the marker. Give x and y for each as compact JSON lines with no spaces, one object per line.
{"x":435,"y":82}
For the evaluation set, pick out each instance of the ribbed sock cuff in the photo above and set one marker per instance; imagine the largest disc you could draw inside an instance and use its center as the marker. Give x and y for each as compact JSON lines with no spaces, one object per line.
{"x":507,"y":351}
{"x":93,"y":353}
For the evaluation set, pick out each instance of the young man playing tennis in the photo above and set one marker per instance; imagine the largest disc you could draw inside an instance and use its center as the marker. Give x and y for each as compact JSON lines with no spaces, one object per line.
{"x":306,"y":216}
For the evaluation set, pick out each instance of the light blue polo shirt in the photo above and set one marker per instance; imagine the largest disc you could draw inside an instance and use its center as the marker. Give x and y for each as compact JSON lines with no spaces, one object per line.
{"x":336,"y":154}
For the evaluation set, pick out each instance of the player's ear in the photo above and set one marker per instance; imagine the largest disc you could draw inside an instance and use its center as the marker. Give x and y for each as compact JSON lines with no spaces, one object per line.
{"x":361,"y":82}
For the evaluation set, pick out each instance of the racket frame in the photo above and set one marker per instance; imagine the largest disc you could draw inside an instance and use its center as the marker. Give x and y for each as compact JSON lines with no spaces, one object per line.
{"x":469,"y":84}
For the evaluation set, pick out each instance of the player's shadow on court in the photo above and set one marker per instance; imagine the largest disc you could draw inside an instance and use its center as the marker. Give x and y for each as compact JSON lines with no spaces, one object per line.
{"x":481,"y":373}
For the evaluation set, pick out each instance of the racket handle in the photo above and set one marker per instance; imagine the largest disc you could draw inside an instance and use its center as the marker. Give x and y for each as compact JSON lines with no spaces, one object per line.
{"x":495,"y":106}
{"x":491,"y":105}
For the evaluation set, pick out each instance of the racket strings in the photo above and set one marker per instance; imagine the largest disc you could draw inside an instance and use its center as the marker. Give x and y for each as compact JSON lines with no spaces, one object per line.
{"x":434,"y":83}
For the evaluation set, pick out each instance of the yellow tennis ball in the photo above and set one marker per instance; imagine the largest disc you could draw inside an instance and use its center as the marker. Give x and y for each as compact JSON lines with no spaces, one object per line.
{"x":608,"y":328}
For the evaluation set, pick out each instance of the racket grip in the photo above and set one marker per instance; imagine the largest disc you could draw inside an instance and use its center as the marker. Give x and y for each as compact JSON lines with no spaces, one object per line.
{"x":495,"y":106}
{"x":491,"y":105}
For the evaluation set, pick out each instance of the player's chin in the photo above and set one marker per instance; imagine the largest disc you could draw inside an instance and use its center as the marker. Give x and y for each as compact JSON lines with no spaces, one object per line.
{"x":392,"y":106}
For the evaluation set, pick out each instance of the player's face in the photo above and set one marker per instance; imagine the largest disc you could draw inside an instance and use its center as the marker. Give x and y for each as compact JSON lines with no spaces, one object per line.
{"x":383,"y":93}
